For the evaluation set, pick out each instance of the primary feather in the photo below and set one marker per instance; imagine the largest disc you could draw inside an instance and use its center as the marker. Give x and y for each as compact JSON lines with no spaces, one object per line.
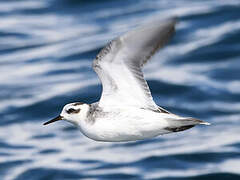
{"x":119,"y":65}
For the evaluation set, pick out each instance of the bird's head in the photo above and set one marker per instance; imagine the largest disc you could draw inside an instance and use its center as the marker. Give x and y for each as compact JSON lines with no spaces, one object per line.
{"x":73,"y":113}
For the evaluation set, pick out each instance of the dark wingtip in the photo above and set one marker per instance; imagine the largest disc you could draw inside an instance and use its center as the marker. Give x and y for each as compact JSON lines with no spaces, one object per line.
{"x":197,"y":121}
{"x":177,"y":129}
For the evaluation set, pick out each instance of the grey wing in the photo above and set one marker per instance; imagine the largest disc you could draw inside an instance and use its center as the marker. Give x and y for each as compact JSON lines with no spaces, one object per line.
{"x":119,"y":65}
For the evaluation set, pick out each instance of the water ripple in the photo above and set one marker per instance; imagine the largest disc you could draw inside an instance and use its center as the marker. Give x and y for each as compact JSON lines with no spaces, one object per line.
{"x":46,"y":53}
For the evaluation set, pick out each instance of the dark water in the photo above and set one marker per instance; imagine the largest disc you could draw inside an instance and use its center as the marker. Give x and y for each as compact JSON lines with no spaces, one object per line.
{"x":46,"y":50}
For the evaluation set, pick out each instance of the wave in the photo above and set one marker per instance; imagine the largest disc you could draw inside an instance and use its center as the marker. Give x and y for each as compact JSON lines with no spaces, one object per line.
{"x":46,"y":53}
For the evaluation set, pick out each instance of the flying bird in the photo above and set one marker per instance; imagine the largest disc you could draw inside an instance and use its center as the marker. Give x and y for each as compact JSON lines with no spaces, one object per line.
{"x":126,"y":110}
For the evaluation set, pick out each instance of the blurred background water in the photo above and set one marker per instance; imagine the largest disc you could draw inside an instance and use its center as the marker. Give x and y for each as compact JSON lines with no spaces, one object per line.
{"x":46,"y":51}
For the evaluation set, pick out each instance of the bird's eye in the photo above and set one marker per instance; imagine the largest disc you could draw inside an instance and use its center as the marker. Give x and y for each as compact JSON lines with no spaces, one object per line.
{"x":71,"y":110}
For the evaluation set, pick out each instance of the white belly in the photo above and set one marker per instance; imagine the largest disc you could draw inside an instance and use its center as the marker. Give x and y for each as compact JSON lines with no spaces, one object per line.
{"x":127,"y":125}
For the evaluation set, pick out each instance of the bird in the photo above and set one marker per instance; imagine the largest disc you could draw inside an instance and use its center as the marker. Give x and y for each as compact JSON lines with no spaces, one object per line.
{"x":126,"y":110}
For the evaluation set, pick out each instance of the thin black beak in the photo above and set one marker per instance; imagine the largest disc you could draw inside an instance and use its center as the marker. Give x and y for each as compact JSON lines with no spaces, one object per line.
{"x":53,"y":120}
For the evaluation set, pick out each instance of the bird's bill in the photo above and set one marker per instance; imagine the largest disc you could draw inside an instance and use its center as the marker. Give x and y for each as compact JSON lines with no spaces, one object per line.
{"x":54,"y":120}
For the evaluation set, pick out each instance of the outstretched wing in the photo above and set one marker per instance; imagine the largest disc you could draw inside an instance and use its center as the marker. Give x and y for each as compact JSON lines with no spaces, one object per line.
{"x":119,"y":65}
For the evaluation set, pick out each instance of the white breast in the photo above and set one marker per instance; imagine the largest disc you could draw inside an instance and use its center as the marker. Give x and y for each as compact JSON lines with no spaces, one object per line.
{"x":126,"y":125}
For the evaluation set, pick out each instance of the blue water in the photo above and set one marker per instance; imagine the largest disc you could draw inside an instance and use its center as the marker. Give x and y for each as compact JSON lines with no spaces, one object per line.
{"x":46,"y":50}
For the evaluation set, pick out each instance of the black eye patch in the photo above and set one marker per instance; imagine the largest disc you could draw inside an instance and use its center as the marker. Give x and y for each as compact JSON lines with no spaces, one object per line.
{"x":71,"y":111}
{"x":77,"y":103}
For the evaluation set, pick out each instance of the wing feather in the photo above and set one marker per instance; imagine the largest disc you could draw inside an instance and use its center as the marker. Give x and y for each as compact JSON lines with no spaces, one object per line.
{"x":119,"y":65}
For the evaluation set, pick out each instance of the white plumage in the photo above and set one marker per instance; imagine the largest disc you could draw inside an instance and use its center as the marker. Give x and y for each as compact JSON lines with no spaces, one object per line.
{"x":126,"y":110}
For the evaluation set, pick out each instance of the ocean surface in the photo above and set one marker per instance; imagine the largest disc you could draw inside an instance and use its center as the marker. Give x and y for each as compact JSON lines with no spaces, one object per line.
{"x":46,"y":51}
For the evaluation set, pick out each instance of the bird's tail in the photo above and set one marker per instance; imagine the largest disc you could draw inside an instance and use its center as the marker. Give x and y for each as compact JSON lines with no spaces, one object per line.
{"x":182,"y":124}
